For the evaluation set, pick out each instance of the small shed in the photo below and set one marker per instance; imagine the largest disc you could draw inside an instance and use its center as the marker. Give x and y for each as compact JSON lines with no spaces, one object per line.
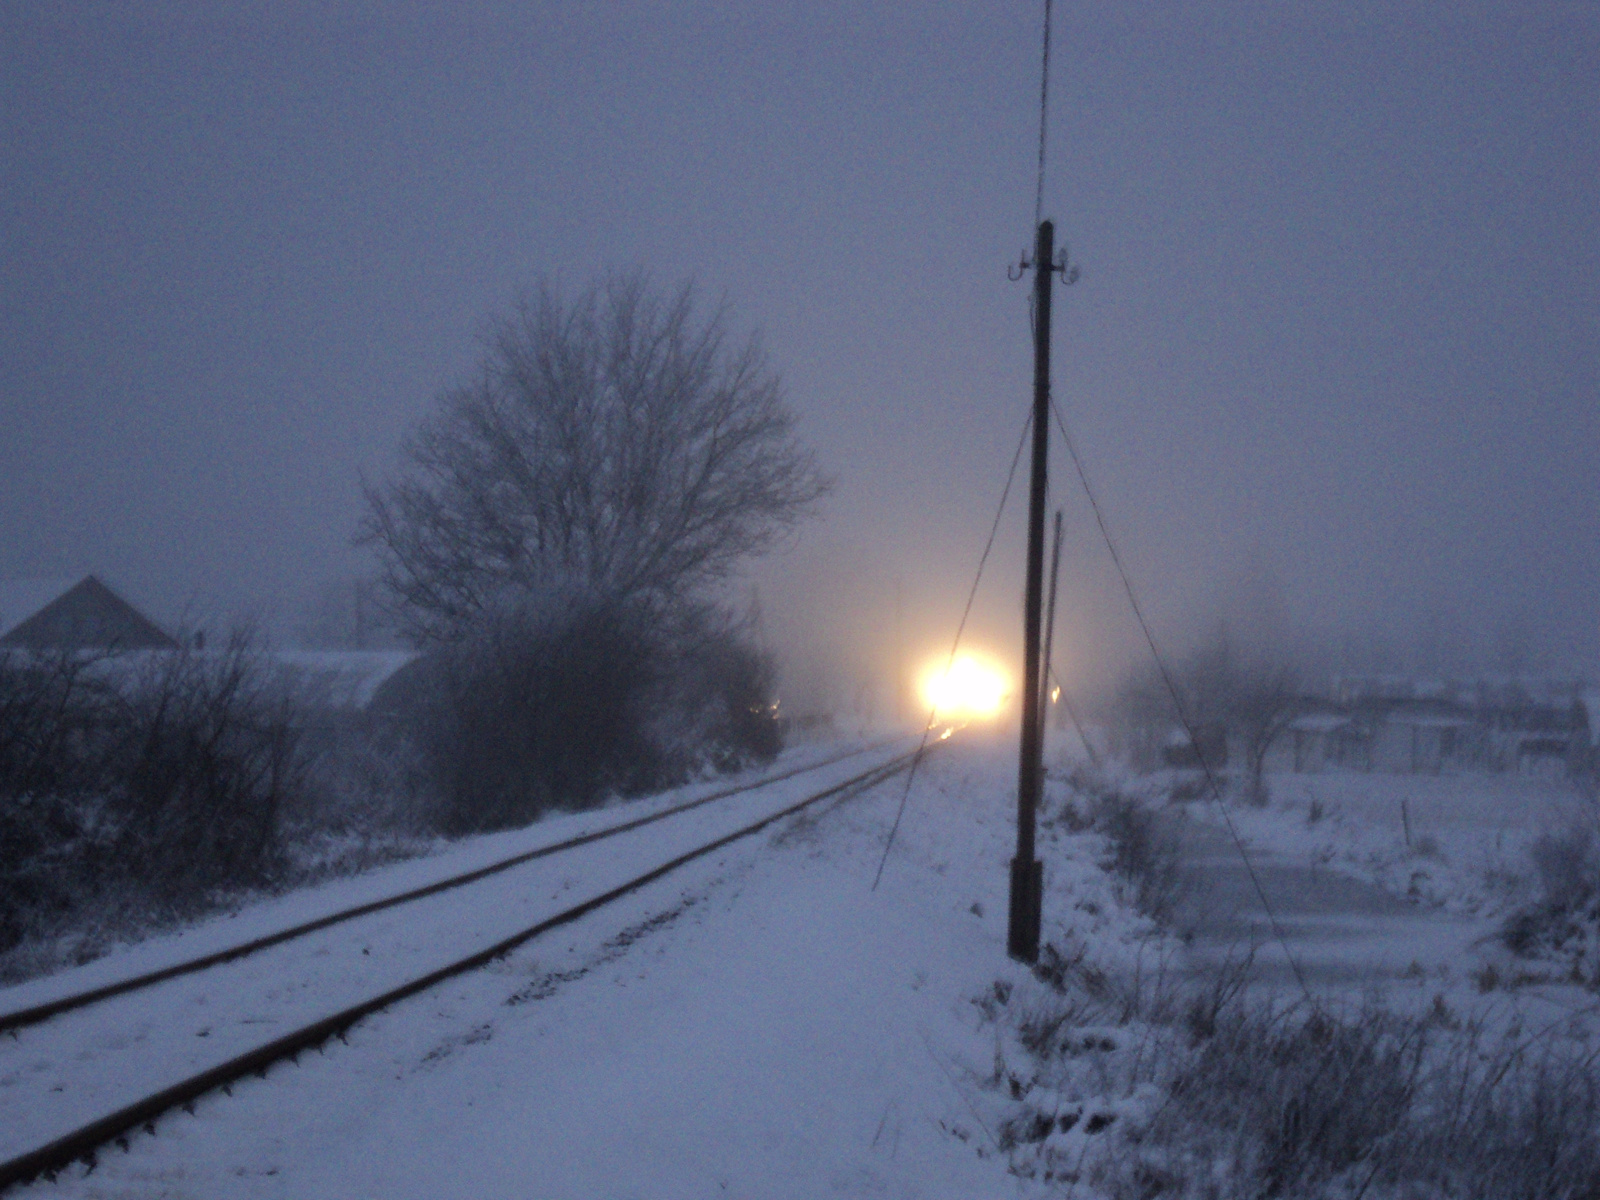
{"x":1319,"y":740}
{"x":74,"y":614}
{"x":1424,"y":742}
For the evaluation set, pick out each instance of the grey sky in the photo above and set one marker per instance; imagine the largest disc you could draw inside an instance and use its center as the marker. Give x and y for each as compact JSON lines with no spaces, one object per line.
{"x":1338,"y":317}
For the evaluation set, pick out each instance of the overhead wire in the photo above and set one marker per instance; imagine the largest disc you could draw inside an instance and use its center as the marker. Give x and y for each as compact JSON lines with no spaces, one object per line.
{"x":1044,"y":113}
{"x":1072,"y":712}
{"x":955,"y":645}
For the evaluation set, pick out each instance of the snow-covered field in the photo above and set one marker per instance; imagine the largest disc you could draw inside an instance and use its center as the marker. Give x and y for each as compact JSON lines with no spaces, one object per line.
{"x":1459,"y":842}
{"x":1378,"y":884}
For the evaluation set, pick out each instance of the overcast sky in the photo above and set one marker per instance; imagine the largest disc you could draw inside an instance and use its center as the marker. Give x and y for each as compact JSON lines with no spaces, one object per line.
{"x":1334,"y":353}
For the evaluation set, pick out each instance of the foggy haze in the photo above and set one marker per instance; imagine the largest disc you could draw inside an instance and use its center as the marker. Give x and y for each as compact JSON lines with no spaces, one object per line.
{"x":1332,"y":362}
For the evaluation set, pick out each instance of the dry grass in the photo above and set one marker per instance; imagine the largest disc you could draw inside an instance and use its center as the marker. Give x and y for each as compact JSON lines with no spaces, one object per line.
{"x":1200,"y":1093}
{"x":1144,"y":842}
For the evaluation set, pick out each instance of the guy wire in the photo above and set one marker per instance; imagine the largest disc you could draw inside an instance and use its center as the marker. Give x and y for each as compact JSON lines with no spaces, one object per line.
{"x":961,"y":627}
{"x":1177,"y":704}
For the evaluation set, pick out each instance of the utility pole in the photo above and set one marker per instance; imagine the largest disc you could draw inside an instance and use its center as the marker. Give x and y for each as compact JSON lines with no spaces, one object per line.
{"x":1027,"y":873}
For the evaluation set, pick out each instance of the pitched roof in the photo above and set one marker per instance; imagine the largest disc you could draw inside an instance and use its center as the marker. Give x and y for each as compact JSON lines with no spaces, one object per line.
{"x":22,"y":598}
{"x":74,"y":614}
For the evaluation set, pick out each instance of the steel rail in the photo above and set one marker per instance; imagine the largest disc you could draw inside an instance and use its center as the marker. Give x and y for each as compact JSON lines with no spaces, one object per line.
{"x":82,"y":1143}
{"x":43,"y":1011}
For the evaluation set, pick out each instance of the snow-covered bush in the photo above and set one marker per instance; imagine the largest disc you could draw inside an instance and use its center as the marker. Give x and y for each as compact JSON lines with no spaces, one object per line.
{"x":560,"y":701}
{"x":1144,"y":843}
{"x":1153,"y":1088}
{"x":1146,"y":852}
{"x":139,"y":786}
{"x":1563,"y":919}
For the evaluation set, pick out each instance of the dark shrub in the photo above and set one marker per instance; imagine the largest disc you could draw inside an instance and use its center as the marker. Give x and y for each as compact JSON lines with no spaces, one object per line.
{"x":719,"y":695}
{"x":207,"y":756}
{"x":55,"y":708}
{"x":563,"y":700}
{"x":543,"y":706}
{"x":138,"y":785}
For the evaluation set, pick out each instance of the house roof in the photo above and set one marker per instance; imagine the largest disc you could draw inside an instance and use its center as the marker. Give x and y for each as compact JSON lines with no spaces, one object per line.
{"x":22,"y":598}
{"x":74,"y":613}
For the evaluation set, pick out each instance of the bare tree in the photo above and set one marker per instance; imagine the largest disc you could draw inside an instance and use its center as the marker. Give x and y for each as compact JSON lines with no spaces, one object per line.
{"x":1265,"y":699}
{"x":1253,"y":694}
{"x":616,"y":441}
{"x":1227,"y":699}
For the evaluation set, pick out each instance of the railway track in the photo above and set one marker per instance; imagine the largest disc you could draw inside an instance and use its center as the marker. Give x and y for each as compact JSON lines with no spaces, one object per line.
{"x":43,"y":1011}
{"x":87,"y":1139}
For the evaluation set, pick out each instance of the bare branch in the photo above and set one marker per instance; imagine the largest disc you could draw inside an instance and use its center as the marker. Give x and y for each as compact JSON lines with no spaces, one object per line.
{"x":614,"y":440}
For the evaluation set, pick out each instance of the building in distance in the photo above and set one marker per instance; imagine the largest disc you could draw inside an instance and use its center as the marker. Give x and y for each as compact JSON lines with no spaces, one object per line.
{"x":74,"y":614}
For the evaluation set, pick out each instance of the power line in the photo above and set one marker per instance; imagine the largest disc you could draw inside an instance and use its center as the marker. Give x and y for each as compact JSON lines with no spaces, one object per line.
{"x":1116,"y":559}
{"x":1044,"y":113}
{"x":961,"y":627}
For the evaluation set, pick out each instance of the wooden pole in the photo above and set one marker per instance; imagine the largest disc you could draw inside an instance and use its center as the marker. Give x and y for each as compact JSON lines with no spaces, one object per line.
{"x":1027,"y":874}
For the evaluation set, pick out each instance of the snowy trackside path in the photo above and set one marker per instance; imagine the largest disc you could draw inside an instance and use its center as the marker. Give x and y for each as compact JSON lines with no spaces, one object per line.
{"x":759,"y":1024}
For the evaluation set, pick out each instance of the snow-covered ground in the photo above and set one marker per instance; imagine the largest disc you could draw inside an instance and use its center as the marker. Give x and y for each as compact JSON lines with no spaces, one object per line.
{"x":762,"y":1023}
{"x":1458,"y":842}
{"x":66,"y":1071}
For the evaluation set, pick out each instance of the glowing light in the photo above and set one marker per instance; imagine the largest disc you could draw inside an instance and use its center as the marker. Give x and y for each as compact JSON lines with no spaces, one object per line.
{"x":1055,"y":694}
{"x":971,"y":688}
